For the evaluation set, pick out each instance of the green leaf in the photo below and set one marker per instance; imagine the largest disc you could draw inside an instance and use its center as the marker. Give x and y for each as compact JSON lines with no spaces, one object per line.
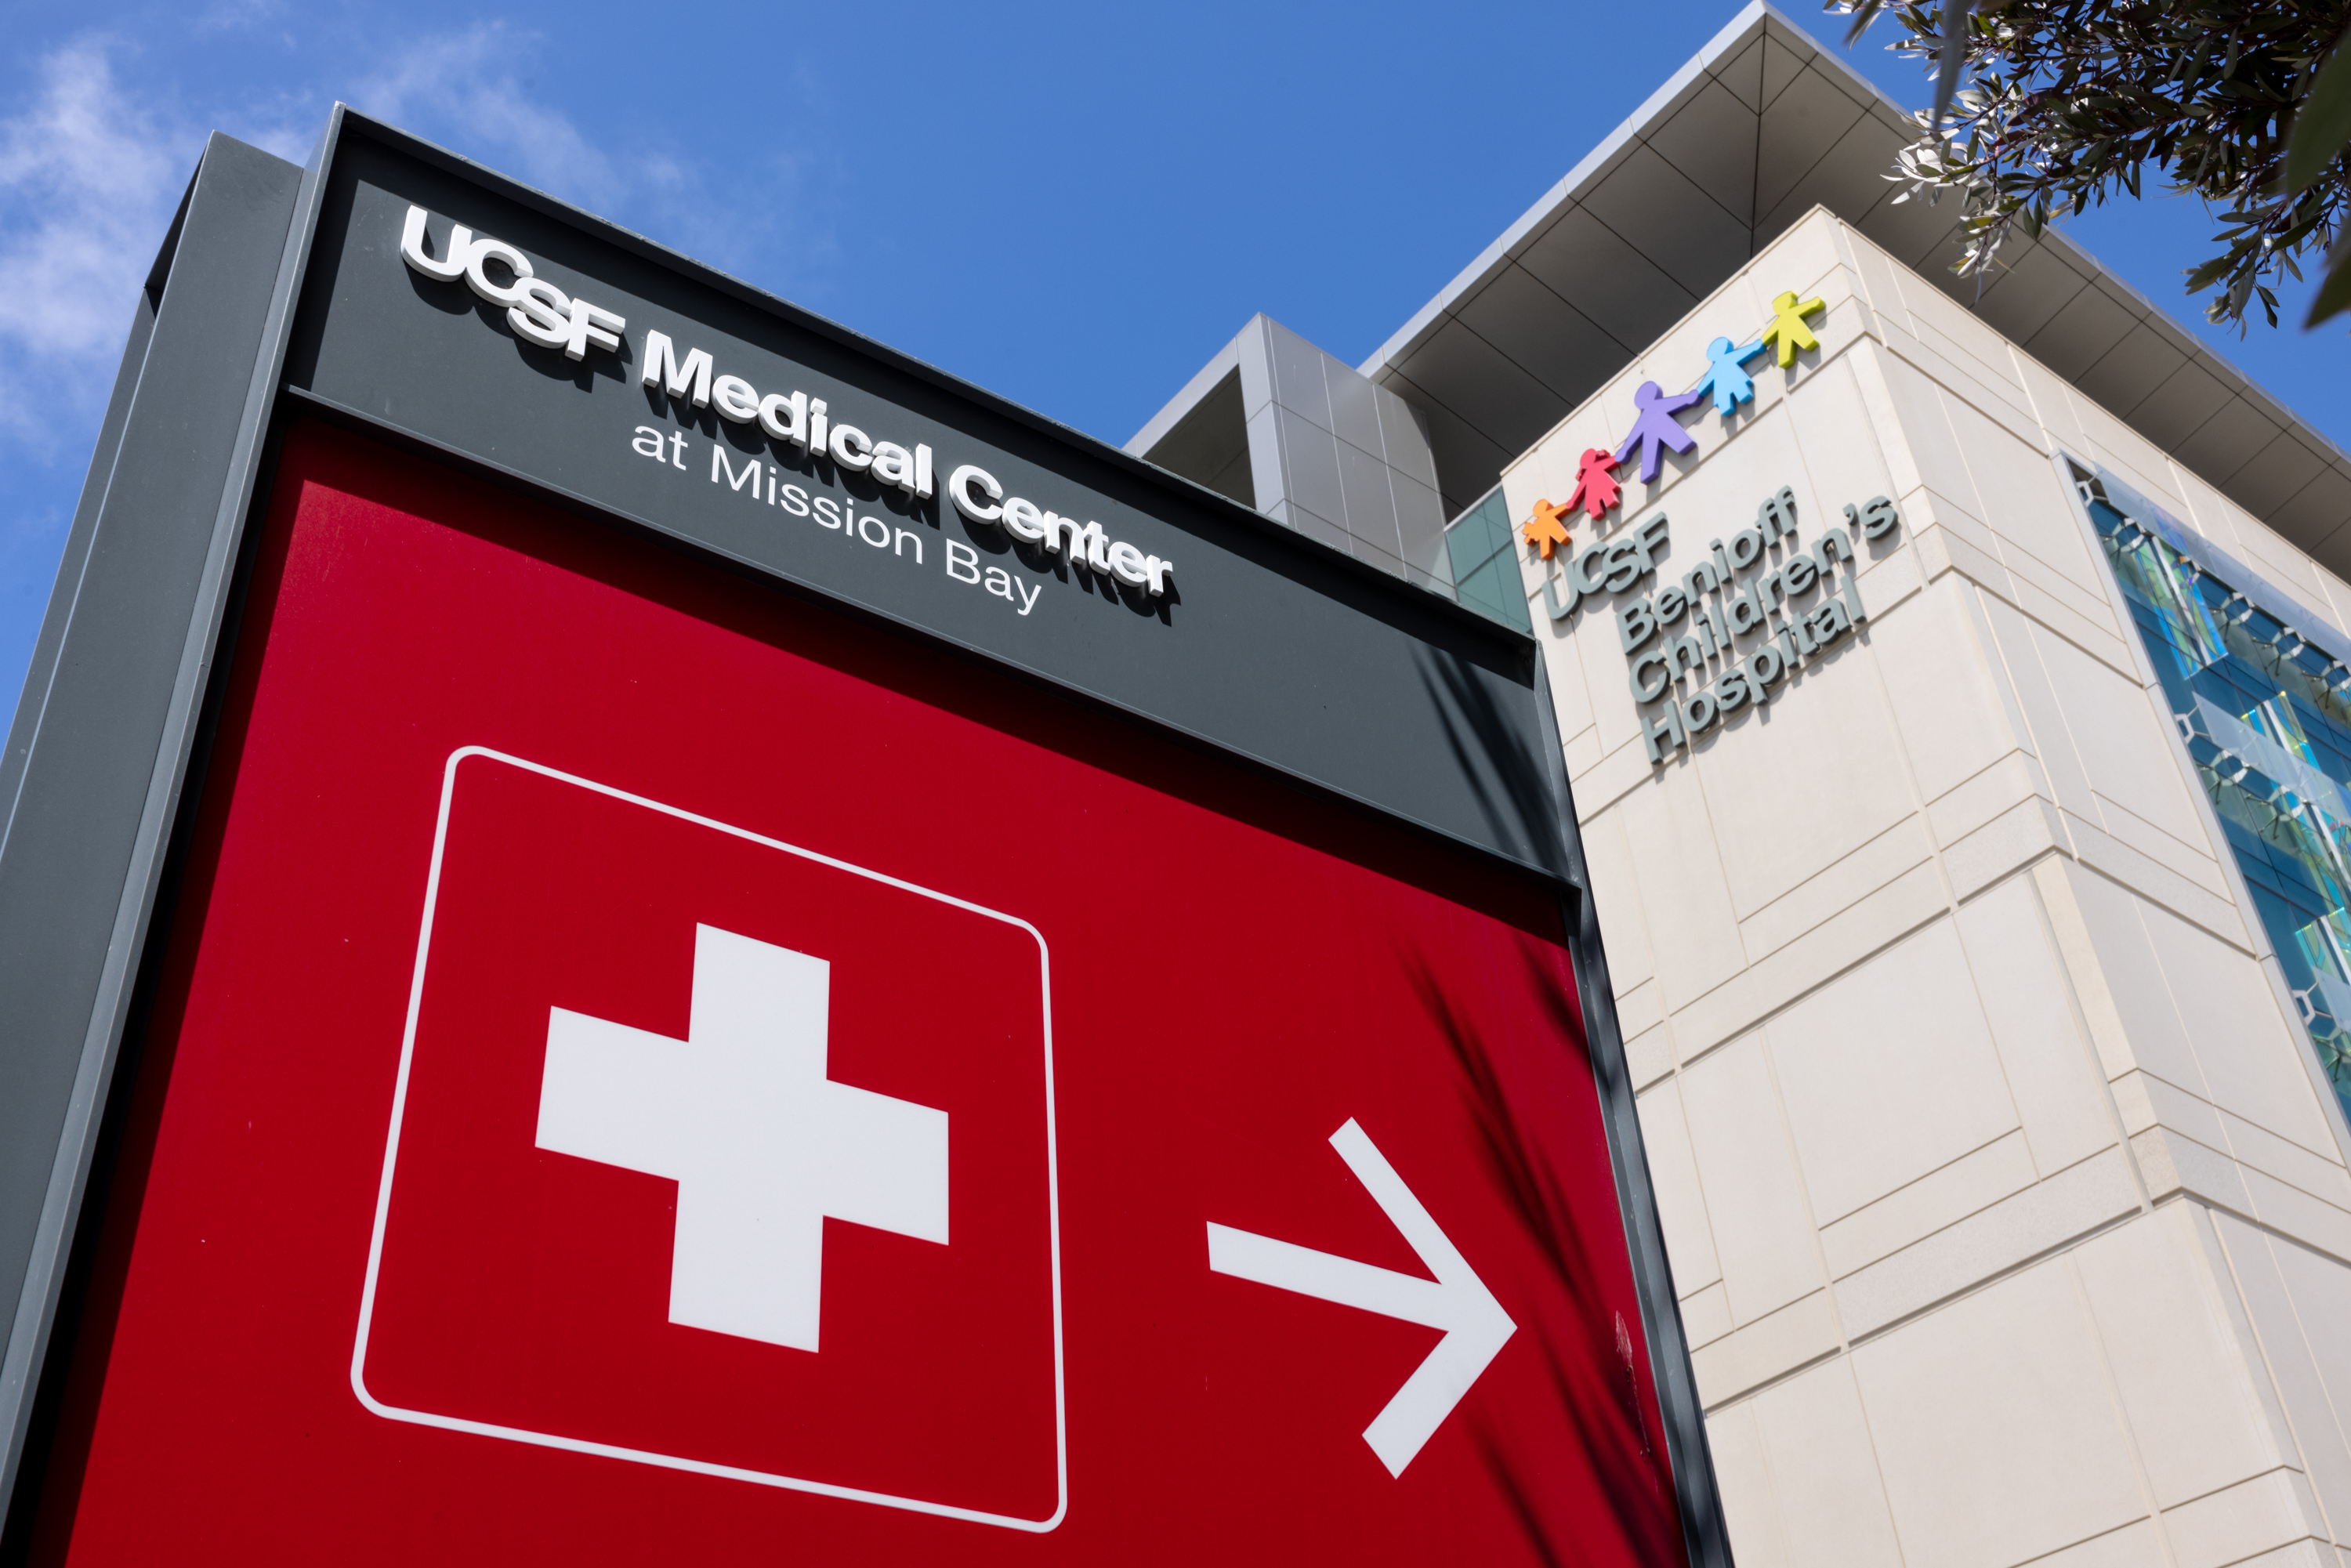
{"x":2286,"y":243}
{"x":2323,"y":126}
{"x":2205,"y":275}
{"x":2334,"y":295}
{"x":1864,"y":14}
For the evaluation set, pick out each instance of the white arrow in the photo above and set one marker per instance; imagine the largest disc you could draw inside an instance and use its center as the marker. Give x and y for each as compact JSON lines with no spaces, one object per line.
{"x":1456,"y":1300}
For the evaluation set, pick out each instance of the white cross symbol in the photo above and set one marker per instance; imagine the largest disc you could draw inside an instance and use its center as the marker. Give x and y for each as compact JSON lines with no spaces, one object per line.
{"x":764,"y":1148}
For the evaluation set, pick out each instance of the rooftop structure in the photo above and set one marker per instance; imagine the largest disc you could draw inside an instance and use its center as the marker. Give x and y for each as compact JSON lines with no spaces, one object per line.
{"x":1762,"y":125}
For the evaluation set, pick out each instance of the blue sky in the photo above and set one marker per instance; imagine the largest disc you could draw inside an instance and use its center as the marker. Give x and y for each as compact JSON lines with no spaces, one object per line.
{"x":1073,"y":205}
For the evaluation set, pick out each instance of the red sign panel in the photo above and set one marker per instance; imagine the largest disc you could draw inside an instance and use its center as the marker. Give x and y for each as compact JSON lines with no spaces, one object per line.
{"x":648,"y":1070}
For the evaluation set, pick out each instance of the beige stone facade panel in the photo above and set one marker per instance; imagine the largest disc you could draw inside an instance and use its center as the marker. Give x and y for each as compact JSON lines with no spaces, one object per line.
{"x":2291,"y":1299}
{"x":2276,"y":1510}
{"x":1686,"y":903}
{"x":1640,"y":1009}
{"x":1706,"y":1313}
{"x":2018,"y":494}
{"x":1925,"y":432}
{"x":1972,"y":1486}
{"x":1766,"y":1350}
{"x":1750,"y":1504}
{"x":2196,"y":1423}
{"x":2290,"y":1211}
{"x":1842,"y":460}
{"x":2051,"y":1068}
{"x":2156,"y":1037}
{"x":2017,"y":838}
{"x":1889,"y":1073}
{"x":1910,"y":901}
{"x":1779,"y":817}
{"x":2053,"y":1212}
{"x":2170,"y":1164}
{"x":1680,"y":1197}
{"x":2183,"y":889}
{"x":1888,"y":578}
{"x":1957,"y":716}
{"x":1571,"y":682}
{"x":2320,"y":1176}
{"x":2052,"y":403}
{"x":1649,"y":1056}
{"x":1962,"y":380}
{"x":1823,"y":1469}
{"x":1967,"y":1186}
{"x":2123,"y":752}
{"x":2014,"y":783}
{"x":1804,"y":908}
{"x":2226,"y":1013}
{"x":1754,"y":1200}
{"x":2136,"y":1545}
{"x":2122,"y":449}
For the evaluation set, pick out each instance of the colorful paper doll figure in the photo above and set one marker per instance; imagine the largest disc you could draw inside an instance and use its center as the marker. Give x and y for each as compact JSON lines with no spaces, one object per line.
{"x":1787,"y":330}
{"x":1594,"y":491}
{"x":1545,"y":530}
{"x":1726,"y":375}
{"x":1655,"y":427}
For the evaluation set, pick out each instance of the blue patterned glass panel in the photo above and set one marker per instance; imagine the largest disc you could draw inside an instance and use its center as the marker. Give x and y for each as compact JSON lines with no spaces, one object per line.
{"x":2267,"y":721}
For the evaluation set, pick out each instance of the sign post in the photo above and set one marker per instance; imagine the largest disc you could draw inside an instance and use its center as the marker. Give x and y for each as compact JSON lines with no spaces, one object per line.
{"x":746,"y":949}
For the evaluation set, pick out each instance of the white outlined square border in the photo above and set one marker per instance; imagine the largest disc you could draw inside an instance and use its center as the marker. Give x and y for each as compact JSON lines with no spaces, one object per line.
{"x":673,"y":1461}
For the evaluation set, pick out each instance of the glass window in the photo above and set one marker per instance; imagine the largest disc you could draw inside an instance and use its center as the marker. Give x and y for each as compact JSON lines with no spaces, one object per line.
{"x":2267,"y":720}
{"x":1485,"y":567}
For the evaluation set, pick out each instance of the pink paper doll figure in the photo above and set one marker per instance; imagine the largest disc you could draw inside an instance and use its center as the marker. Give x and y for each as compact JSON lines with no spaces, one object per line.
{"x":1655,"y":427}
{"x":1594,"y":491}
{"x":1726,"y":375}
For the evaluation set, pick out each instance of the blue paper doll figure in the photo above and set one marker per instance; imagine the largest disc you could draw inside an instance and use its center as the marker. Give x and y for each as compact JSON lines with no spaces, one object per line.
{"x":1726,"y":376}
{"x":1655,"y":427}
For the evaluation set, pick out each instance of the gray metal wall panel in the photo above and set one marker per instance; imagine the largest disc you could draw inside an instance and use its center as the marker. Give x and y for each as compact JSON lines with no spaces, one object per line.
{"x":1270,"y":648}
{"x":32,"y":702}
{"x":84,"y":828}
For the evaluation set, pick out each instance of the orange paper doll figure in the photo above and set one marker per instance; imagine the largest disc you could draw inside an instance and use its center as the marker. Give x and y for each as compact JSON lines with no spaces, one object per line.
{"x":1594,"y":491}
{"x":1545,"y":530}
{"x":1787,"y":330}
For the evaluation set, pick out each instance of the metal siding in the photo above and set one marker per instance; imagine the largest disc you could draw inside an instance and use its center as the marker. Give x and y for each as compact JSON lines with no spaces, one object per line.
{"x":104,"y":735}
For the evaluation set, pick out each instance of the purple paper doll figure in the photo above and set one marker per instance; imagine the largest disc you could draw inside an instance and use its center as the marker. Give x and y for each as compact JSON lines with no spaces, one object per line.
{"x":1726,"y":376}
{"x":1655,"y":427}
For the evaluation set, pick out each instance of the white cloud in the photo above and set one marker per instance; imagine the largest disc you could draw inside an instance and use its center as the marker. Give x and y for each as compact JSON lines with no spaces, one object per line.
{"x":463,"y":85}
{"x":289,"y":131}
{"x":88,"y":183}
{"x":93,"y":160}
{"x":464,"y":90}
{"x":92,"y":169}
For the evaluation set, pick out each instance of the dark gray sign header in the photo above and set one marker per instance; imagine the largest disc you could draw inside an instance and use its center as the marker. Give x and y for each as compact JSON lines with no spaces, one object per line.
{"x":1179,"y":605}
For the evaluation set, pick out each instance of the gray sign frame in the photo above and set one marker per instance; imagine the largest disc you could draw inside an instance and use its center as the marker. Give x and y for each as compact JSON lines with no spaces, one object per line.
{"x":1272,"y":651}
